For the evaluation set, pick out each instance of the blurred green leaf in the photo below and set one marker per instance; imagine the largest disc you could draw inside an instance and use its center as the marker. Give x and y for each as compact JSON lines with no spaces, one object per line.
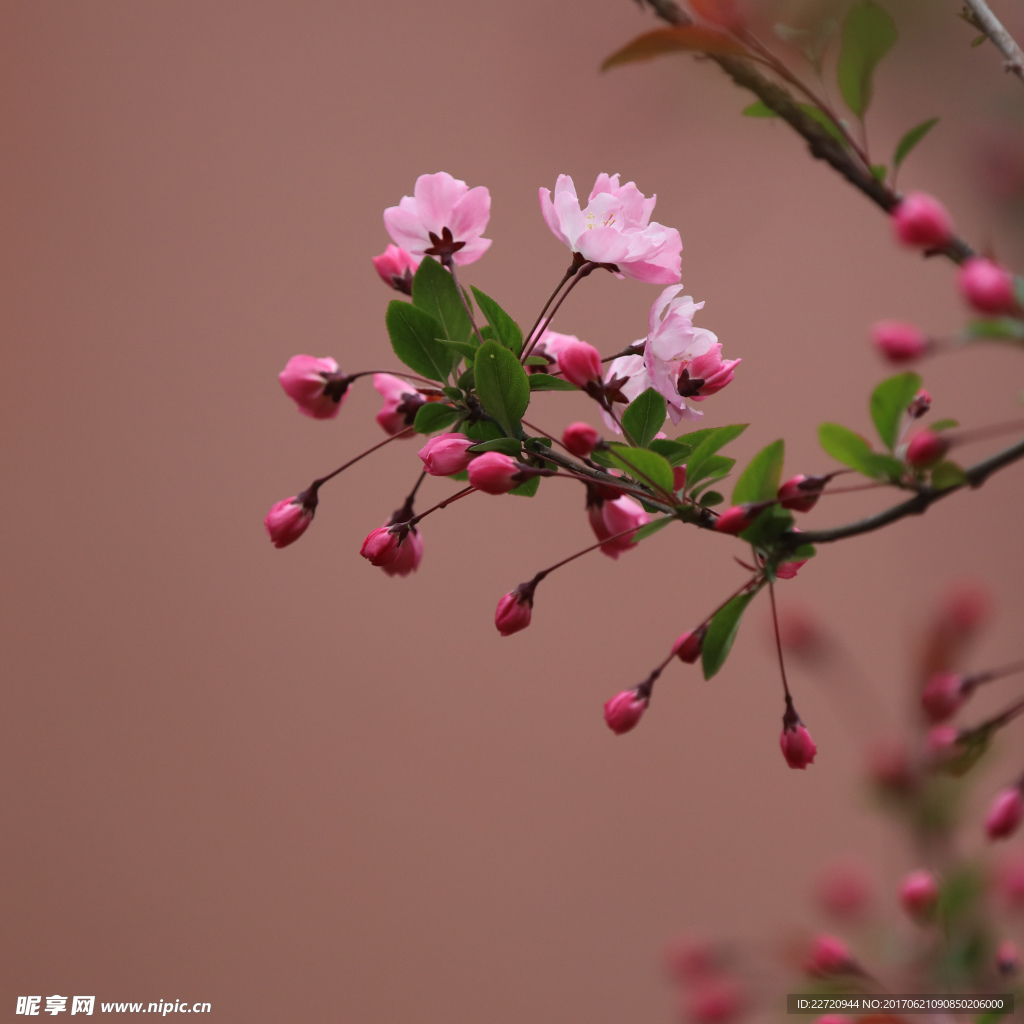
{"x":759,"y":109}
{"x":711,"y":498}
{"x":505,"y":445}
{"x":651,"y":528}
{"x":712,"y":438}
{"x":947,"y":474}
{"x":889,"y":402}
{"x":760,"y":480}
{"x":852,"y":450}
{"x":677,"y":39}
{"x":1000,"y":328}
{"x":527,"y":489}
{"x":911,"y":139}
{"x":675,"y":452}
{"x":869,"y":33}
{"x":643,"y":465}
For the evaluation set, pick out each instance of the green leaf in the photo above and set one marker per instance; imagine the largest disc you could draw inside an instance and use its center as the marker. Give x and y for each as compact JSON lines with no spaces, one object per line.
{"x":759,"y":109}
{"x":889,"y":403}
{"x":643,"y":465}
{"x":760,"y":480}
{"x":466,"y":379}
{"x":527,"y":489}
{"x":505,"y":445}
{"x":714,"y":467}
{"x":651,"y":528}
{"x":435,"y":416}
{"x":959,"y":893}
{"x":674,"y":451}
{"x":455,"y":394}
{"x":852,"y":450}
{"x":721,"y":634}
{"x":434,"y":291}
{"x":911,"y":139}
{"x":547,"y":382}
{"x":537,"y":361}
{"x":939,"y":425}
{"x":461,"y":348}
{"x":869,"y":33}
{"x":1002,"y":328}
{"x":826,"y":122}
{"x":482,"y":430}
{"x":644,"y":417}
{"x":768,"y":527}
{"x":501,"y":385}
{"x":967,"y":752}
{"x":713,"y":438}
{"x":878,"y":172}
{"x":709,"y":498}
{"x":946,"y":475}
{"x":413,"y":335}
{"x":505,"y":327}
{"x":802,"y":552}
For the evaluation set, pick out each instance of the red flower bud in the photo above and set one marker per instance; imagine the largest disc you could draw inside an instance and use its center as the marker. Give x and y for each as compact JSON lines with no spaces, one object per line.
{"x":919,"y":892}
{"x":580,"y":439}
{"x":1005,"y":814}
{"x":921,"y":221}
{"x":738,"y":518}
{"x":689,"y":646}
{"x":899,"y":342}
{"x":624,"y":710}
{"x":925,"y":449}
{"x":986,"y":286}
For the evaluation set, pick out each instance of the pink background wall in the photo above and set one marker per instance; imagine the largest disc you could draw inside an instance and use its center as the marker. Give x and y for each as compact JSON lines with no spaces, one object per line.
{"x":284,"y":783}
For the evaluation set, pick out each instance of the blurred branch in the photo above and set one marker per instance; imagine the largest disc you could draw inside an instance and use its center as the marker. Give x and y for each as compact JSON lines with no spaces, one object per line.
{"x":978,"y":13}
{"x":822,"y":145}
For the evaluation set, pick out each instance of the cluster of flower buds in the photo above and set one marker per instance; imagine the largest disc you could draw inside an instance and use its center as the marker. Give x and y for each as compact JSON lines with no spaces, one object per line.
{"x":708,"y":989}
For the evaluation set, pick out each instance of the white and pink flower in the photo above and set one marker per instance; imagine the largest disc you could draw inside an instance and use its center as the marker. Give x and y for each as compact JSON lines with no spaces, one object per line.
{"x":401,"y":403}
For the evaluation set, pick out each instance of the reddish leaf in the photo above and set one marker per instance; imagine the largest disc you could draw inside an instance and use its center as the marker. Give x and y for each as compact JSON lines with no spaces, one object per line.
{"x":692,"y":38}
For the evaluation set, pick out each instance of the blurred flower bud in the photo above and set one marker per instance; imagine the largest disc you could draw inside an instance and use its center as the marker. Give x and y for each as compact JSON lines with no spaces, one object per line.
{"x":678,"y":478}
{"x":801,"y":493}
{"x":736,"y":519}
{"x":844,"y":890}
{"x":624,"y":710}
{"x":925,"y":449}
{"x":396,"y":267}
{"x":689,"y":646}
{"x":314,"y":385}
{"x":920,"y":404}
{"x":889,"y":766}
{"x":1010,"y":882}
{"x":942,"y":742}
{"x":829,"y":955}
{"x":1007,"y":958}
{"x":986,"y":287}
{"x":899,"y":342}
{"x":800,"y":632}
{"x":1005,"y":813}
{"x":690,"y":959}
{"x":919,"y":892}
{"x":944,"y":695}
{"x":713,"y":1000}
{"x":580,"y":439}
{"x":921,"y":221}
{"x":401,"y":403}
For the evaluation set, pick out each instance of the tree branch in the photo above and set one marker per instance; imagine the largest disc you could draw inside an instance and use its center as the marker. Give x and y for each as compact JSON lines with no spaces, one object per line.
{"x":982,"y":18}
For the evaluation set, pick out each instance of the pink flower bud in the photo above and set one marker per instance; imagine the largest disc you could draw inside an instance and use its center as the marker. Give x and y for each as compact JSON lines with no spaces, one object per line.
{"x":494,"y":473}
{"x":844,"y":890}
{"x":925,"y":449}
{"x":580,"y":363}
{"x":889,"y":766}
{"x":1005,"y":813}
{"x":797,"y":747}
{"x":919,"y":892}
{"x":396,"y":267}
{"x":713,"y":1000}
{"x":738,"y":518}
{"x":446,"y":454}
{"x":986,"y":286}
{"x":922,"y":222}
{"x":624,"y":710}
{"x":829,"y":955}
{"x":941,"y":742}
{"x":801,"y":493}
{"x":966,"y":607}
{"x":401,"y":403}
{"x":515,"y":609}
{"x":1010,"y":883}
{"x":610,"y":518}
{"x":580,"y":439}
{"x":678,"y":478}
{"x":919,"y":405}
{"x":396,"y":550}
{"x":288,"y":520}
{"x":689,"y":646}
{"x":899,"y":342}
{"x":1007,"y":958}
{"x":801,"y":632}
{"x":314,"y":385}
{"x":788,"y":570}
{"x":944,"y":695}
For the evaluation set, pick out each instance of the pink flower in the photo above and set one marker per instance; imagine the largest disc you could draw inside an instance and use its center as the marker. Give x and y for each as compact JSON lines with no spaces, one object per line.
{"x":899,"y":341}
{"x":801,"y":493}
{"x":986,"y":286}
{"x":689,"y":646}
{"x":396,"y":268}
{"x":682,"y":361}
{"x":919,"y":892}
{"x":736,"y":519}
{"x":515,"y":610}
{"x":788,"y":570}
{"x":395,"y":549}
{"x":925,"y":449}
{"x":624,"y":380}
{"x":580,"y":363}
{"x":607,"y":518}
{"x":943,"y":696}
{"x":797,"y":746}
{"x":921,"y":221}
{"x":288,"y":520}
{"x":314,"y":385}
{"x":1005,"y":813}
{"x":401,"y":403}
{"x":615,"y":228}
{"x":446,"y":454}
{"x":580,"y":438}
{"x":829,"y":955}
{"x":624,"y":710}
{"x":494,"y":473}
{"x":440,"y":202}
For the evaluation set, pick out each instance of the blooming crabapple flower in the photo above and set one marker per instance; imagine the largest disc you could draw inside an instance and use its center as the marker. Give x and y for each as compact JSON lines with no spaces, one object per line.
{"x":713,"y":1000}
{"x":624,"y":710}
{"x":829,"y":955}
{"x":314,"y":385}
{"x":899,"y":341}
{"x":396,"y":550}
{"x":986,"y":286}
{"x":843,"y":890}
{"x":396,"y":267}
{"x":797,"y":746}
{"x":921,"y":221}
{"x":288,"y":520}
{"x":1007,"y":958}
{"x":446,"y":454}
{"x":919,"y":892}
{"x":607,"y":518}
{"x":736,"y":519}
{"x":944,"y":694}
{"x":580,"y":363}
{"x":1005,"y":813}
{"x":580,"y":438}
{"x":440,"y":202}
{"x":682,"y":361}
{"x":514,"y":610}
{"x":919,"y":405}
{"x":925,"y":449}
{"x":494,"y":473}
{"x":801,"y":493}
{"x":689,"y":646}
{"x":615,"y":228}
{"x":401,"y":403}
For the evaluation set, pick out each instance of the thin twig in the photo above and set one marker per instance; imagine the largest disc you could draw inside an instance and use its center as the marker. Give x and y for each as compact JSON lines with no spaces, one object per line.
{"x":984,"y":19}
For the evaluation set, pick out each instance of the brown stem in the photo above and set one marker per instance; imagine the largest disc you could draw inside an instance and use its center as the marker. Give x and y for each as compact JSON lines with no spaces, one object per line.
{"x":408,"y":432}
{"x":984,"y":19}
